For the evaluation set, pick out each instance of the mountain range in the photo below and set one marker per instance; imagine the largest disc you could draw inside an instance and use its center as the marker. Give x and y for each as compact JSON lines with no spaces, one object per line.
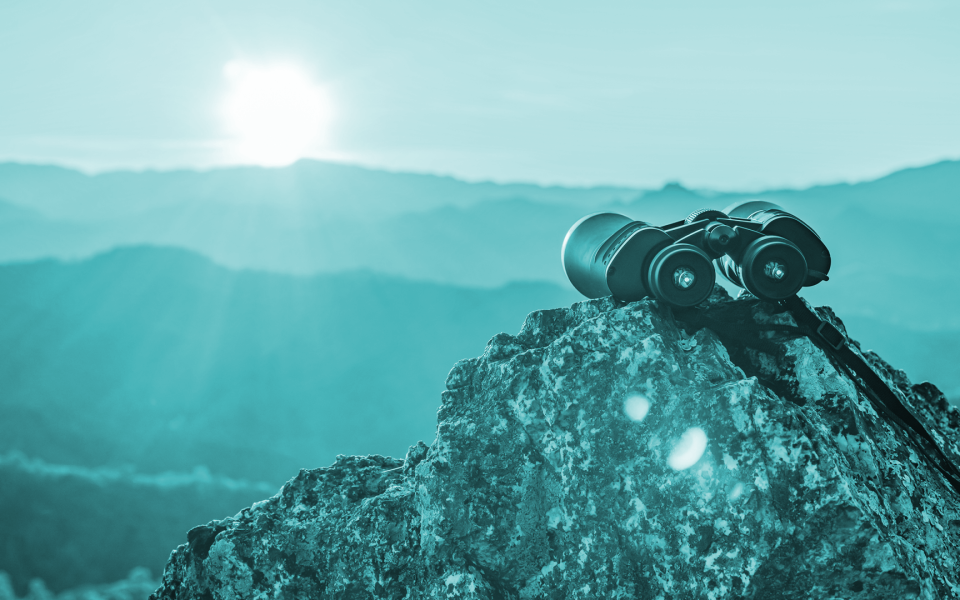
{"x":160,"y":359}
{"x":892,"y":239}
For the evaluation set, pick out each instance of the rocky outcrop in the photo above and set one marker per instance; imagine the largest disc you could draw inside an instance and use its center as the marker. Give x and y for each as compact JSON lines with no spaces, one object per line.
{"x":609,"y":451}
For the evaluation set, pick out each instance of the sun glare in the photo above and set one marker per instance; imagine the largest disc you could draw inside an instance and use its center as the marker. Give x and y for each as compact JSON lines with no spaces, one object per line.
{"x":274,"y":113}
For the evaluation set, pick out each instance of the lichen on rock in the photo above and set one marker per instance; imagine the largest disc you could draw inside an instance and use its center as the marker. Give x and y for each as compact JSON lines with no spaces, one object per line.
{"x":612,"y":451}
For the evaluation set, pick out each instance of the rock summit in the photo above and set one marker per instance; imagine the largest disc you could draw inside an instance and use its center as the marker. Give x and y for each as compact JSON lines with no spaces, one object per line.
{"x":612,"y":451}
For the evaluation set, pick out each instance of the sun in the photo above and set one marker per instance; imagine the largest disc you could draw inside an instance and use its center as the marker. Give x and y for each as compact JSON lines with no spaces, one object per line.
{"x":274,"y":113}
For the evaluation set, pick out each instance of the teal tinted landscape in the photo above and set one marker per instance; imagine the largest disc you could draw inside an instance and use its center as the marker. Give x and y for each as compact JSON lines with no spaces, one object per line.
{"x":240,"y":239}
{"x":249,"y":332}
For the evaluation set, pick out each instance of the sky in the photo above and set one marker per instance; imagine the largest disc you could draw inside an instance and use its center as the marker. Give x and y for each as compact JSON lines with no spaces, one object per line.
{"x":733,"y":95}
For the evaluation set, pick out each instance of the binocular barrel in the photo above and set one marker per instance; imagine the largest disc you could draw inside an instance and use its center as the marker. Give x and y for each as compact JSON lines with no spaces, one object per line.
{"x":755,"y":245}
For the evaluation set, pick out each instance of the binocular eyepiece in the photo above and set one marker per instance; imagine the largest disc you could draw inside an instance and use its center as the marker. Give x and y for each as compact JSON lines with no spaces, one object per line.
{"x":755,"y":245}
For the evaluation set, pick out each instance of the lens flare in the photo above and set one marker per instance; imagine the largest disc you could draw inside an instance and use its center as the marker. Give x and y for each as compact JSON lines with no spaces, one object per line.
{"x":636,"y":407}
{"x":688,"y":450}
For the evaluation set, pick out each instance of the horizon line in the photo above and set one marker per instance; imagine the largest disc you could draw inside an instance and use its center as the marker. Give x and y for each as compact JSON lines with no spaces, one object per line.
{"x":667,"y":183}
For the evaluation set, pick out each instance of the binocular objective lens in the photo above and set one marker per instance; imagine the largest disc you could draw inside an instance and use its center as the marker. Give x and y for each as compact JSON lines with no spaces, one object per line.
{"x":680,"y":274}
{"x":775,"y":270}
{"x":683,"y":278}
{"x":772,"y":268}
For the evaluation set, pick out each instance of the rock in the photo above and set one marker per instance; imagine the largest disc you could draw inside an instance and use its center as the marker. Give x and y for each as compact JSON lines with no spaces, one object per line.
{"x":611,"y":451}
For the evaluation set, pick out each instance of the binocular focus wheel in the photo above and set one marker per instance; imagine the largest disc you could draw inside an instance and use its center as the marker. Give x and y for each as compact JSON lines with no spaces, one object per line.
{"x":773,"y":268}
{"x":682,"y":275}
{"x":704,"y":214}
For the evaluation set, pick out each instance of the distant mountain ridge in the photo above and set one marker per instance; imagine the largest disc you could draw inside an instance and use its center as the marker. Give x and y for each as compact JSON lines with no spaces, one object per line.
{"x":931,"y":189}
{"x":892,"y":239}
{"x":320,"y":217}
{"x":309,"y":186}
{"x":160,"y":359}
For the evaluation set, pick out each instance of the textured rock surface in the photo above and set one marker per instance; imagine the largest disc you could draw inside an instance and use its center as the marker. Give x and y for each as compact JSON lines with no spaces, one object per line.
{"x":566,"y":466}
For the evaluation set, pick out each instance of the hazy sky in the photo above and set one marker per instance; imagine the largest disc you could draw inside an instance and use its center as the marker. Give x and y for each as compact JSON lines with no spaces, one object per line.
{"x":723,"y":94}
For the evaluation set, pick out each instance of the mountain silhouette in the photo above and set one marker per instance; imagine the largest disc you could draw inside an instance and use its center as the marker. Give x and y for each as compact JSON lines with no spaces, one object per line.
{"x":892,"y":239}
{"x":159,"y":359}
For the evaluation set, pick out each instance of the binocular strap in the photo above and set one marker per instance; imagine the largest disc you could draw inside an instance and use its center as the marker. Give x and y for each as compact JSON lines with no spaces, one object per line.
{"x":832,"y":341}
{"x":835,"y":345}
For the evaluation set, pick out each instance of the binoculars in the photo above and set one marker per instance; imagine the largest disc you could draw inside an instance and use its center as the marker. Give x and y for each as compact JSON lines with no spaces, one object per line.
{"x":756,"y":245}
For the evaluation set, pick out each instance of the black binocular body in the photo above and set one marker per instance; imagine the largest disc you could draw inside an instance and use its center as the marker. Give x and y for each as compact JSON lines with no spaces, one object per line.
{"x":756,"y":245}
